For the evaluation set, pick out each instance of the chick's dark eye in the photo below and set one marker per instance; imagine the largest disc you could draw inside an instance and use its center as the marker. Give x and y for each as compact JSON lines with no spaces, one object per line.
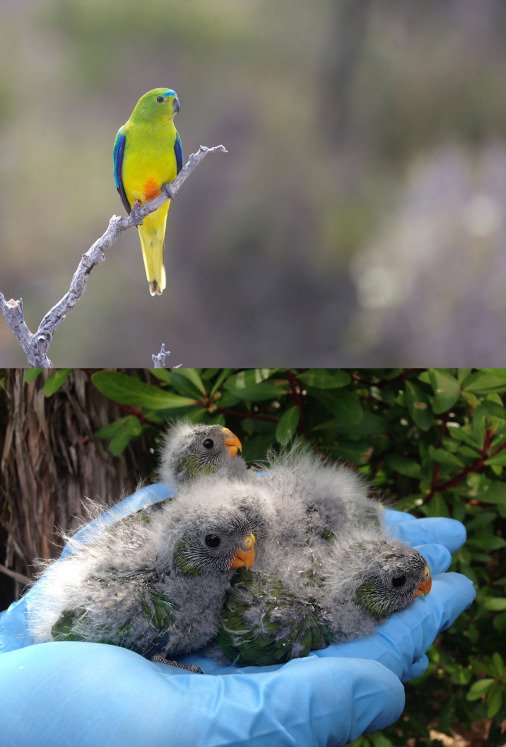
{"x":208,"y":443}
{"x":398,"y":581}
{"x":159,"y":99}
{"x":212,"y":540}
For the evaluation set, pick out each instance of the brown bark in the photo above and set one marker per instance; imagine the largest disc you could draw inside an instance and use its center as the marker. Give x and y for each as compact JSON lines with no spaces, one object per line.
{"x":50,"y":460}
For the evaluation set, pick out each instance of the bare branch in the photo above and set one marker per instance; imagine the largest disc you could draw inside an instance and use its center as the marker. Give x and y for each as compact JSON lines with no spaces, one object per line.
{"x":37,"y":345}
{"x":159,"y":360}
{"x":15,"y":575}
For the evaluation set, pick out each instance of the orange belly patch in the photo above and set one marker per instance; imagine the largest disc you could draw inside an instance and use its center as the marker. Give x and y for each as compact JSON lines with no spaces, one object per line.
{"x":150,"y":190}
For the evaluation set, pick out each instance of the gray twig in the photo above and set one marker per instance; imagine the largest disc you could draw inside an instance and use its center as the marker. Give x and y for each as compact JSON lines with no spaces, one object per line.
{"x":159,"y":360}
{"x":36,"y":345}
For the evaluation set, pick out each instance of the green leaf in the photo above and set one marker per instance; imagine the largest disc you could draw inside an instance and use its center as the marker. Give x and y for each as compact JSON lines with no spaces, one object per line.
{"x":495,"y":699}
{"x":462,"y":434}
{"x":128,"y":390}
{"x":404,"y":466}
{"x":343,"y":404}
{"x":446,"y":388}
{"x":418,"y":406}
{"x":497,"y":460}
{"x":498,"y":663}
{"x":494,"y":604}
{"x":192,"y":375}
{"x":487,"y":542}
{"x":445,"y":457}
{"x":56,"y":380}
{"x":287,"y":426}
{"x":121,"y":433}
{"x":319,"y":378}
{"x":224,"y":373}
{"x":489,"y":491}
{"x":368,"y":426}
{"x":160,"y":373}
{"x":479,"y":688}
{"x":483,"y":383}
{"x":31,"y":374}
{"x":252,"y":385}
{"x":438,"y":507}
{"x":183,"y":385}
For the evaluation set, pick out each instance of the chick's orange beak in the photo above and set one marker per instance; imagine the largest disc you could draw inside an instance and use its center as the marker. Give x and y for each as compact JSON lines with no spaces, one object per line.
{"x":232,"y":442}
{"x":425,"y":584}
{"x":245,"y":555}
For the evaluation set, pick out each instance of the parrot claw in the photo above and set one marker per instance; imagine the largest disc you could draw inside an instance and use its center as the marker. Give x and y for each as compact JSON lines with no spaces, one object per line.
{"x":158,"y":659}
{"x":133,"y":213}
{"x":168,"y":191}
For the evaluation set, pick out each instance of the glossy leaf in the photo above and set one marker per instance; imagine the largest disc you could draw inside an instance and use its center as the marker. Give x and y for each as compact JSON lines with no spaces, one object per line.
{"x":128,"y":390}
{"x":287,"y":426}
{"x":320,"y":378}
{"x":56,"y":380}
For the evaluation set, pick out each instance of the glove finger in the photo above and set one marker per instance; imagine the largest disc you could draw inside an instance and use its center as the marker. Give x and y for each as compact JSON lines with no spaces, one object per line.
{"x":448,"y":532}
{"x":302,"y":702}
{"x":392,"y":516}
{"x":417,"y":669}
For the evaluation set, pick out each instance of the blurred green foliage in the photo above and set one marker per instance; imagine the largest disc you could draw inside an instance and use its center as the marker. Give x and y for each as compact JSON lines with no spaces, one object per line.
{"x":326,"y":109}
{"x":431,"y":441}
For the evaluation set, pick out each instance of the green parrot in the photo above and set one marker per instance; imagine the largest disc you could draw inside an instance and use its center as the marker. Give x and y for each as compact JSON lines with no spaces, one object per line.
{"x":147,"y":154}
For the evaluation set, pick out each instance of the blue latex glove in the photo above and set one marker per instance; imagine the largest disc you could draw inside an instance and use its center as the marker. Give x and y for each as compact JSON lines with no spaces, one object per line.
{"x":88,"y":694}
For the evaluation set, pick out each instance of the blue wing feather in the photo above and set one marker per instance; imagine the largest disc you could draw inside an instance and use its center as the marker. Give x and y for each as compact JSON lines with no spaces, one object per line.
{"x":119,"y":150}
{"x":178,"y":150}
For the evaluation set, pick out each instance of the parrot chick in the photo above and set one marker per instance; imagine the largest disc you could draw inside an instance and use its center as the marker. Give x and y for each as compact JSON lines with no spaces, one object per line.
{"x":272,"y":616}
{"x":147,"y":154}
{"x":155,"y":585}
{"x":191,"y":451}
{"x":335,"y":496}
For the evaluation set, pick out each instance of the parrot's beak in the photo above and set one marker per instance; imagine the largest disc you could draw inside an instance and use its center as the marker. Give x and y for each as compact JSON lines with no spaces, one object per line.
{"x":425,"y":585}
{"x":232,"y":442}
{"x":175,"y":105}
{"x":245,"y":555}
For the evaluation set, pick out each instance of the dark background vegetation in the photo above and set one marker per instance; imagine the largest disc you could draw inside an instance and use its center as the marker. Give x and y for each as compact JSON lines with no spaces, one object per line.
{"x":358,"y":217}
{"x":430,"y":441}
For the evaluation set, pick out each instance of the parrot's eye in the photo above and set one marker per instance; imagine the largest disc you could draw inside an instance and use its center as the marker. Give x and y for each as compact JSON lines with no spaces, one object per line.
{"x":398,"y":581}
{"x":208,"y":443}
{"x":160,"y":99}
{"x":212,"y":540}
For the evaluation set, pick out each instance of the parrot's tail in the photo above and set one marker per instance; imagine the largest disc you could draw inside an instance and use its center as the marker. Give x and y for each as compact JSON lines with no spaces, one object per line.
{"x":152,"y":234}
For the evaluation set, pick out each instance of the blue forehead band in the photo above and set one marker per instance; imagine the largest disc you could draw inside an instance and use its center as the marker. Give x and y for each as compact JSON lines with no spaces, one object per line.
{"x":169,"y":93}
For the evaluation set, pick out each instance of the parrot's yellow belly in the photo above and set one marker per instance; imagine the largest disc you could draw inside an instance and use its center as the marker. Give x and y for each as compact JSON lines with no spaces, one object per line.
{"x":149,"y":161}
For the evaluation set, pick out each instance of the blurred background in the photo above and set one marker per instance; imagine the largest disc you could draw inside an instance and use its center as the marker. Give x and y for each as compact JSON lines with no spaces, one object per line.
{"x":358,"y":218}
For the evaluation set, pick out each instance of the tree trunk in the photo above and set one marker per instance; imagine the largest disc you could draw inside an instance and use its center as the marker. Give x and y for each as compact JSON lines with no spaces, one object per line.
{"x":50,"y":460}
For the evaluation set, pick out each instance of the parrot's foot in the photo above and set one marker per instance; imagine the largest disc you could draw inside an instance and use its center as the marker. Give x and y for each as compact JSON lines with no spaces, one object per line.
{"x":133,"y":213}
{"x":167,"y":188}
{"x":157,"y":658}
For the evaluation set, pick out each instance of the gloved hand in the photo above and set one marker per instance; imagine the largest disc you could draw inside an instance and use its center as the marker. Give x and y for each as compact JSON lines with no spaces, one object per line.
{"x":88,"y":693}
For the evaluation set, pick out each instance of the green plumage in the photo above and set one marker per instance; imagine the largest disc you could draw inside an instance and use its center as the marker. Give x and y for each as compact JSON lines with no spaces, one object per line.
{"x":263,"y":623}
{"x":157,"y":608}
